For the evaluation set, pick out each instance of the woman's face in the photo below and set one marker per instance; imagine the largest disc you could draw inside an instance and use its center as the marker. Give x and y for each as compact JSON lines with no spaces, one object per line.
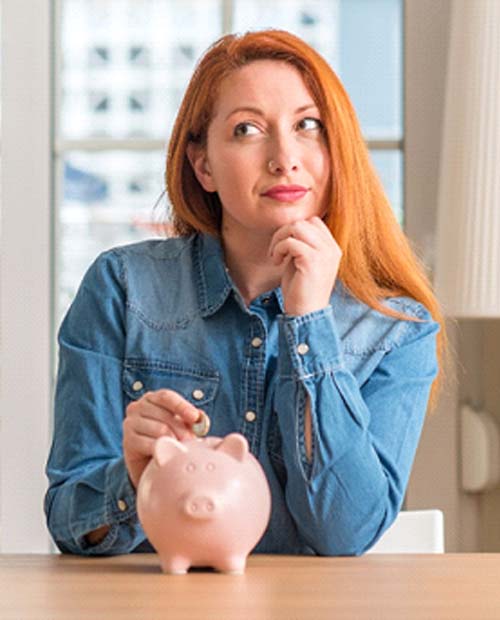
{"x":266,"y":133}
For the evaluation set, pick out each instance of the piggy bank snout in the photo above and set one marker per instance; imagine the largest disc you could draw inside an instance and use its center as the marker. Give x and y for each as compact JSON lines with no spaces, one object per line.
{"x":200,"y":506}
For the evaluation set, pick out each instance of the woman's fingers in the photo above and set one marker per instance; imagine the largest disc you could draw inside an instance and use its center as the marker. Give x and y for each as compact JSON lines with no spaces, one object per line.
{"x":158,"y":413}
{"x":149,"y":427}
{"x":303,"y":230}
{"x":289,"y":248}
{"x":313,"y":233}
{"x":309,"y":256}
{"x":155,"y":414}
{"x":142,"y":445}
{"x":322,"y":228}
{"x":175,"y":404}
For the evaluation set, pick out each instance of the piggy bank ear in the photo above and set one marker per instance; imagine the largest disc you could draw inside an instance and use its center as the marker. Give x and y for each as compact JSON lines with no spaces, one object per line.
{"x":235,"y":445}
{"x":166,"y":448}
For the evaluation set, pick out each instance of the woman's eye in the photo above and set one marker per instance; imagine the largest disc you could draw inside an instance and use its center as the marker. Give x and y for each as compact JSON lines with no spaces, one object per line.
{"x":245,"y":129}
{"x":249,"y":129}
{"x":310,"y":123}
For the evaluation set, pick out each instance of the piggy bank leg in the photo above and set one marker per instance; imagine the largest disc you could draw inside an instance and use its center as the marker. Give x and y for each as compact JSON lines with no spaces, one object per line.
{"x":175,"y":564}
{"x":234,"y":565}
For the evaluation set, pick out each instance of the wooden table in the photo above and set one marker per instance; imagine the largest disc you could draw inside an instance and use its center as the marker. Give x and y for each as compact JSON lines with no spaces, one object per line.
{"x":434,"y":587}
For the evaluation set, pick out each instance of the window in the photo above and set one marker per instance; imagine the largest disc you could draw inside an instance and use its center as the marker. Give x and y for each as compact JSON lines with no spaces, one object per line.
{"x":122,"y":66}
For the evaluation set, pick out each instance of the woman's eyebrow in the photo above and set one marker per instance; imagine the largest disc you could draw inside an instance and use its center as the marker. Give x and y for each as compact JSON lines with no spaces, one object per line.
{"x":258,"y":111}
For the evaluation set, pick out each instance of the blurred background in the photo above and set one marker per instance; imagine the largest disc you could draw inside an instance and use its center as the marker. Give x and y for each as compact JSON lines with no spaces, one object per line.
{"x":90,"y":91}
{"x":122,"y":68}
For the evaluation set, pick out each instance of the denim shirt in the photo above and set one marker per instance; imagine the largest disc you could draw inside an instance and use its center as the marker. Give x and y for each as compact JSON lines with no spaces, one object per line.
{"x":166,"y":314}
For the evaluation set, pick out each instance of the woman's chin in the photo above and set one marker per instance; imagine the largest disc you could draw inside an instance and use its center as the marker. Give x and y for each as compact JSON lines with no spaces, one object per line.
{"x":287,"y":216}
{"x":267,"y":221}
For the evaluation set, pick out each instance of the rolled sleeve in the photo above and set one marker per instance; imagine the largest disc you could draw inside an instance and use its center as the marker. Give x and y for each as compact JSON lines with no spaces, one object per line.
{"x":104,"y":496}
{"x":88,"y":481}
{"x":302,"y":341}
{"x":364,"y":438}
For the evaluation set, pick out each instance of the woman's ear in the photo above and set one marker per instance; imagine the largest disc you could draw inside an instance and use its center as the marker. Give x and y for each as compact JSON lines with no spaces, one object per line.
{"x":199,"y":162}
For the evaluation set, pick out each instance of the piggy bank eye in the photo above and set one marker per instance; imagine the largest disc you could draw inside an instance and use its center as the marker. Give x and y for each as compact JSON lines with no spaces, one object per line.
{"x":190,"y":467}
{"x":210,"y":466}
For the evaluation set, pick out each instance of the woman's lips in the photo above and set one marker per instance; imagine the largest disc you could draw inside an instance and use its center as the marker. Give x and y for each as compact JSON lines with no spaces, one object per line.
{"x":286,"y":193}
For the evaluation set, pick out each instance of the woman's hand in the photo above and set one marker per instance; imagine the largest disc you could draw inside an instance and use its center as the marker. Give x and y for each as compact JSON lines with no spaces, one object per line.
{"x":310,"y":257}
{"x":163,"y":412}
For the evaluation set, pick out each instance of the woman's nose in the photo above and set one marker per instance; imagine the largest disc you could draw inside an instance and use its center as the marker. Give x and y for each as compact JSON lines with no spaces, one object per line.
{"x":281,"y":166}
{"x":283,"y":157}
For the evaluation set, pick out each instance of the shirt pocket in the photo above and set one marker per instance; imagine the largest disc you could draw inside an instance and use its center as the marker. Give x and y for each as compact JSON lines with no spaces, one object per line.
{"x":197,"y":387}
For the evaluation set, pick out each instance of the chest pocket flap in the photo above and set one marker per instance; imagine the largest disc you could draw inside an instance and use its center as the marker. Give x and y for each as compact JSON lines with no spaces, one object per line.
{"x":198,"y":387}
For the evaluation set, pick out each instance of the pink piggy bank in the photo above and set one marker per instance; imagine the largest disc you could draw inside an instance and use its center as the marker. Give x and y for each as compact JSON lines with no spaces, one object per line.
{"x":203,"y":502}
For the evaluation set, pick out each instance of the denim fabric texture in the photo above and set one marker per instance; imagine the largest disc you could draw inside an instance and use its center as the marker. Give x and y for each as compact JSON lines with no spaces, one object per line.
{"x":166,"y":314}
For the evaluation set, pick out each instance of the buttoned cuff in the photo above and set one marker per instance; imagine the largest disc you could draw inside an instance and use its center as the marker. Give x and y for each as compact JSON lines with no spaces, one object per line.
{"x":119,"y":512}
{"x":309,"y":344}
{"x":120,"y":493}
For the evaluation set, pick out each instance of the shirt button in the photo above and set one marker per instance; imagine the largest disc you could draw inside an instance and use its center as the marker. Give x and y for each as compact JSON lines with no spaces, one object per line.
{"x":256,"y":342}
{"x":122,"y":505}
{"x":302,"y":348}
{"x":198,"y":394}
{"x":137,"y":385}
{"x":250,"y":416}
{"x":266,"y":300}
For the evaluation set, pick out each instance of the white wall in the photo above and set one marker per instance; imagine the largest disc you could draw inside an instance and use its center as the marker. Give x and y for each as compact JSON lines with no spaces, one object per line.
{"x":24,"y":274}
{"x":435,"y":477}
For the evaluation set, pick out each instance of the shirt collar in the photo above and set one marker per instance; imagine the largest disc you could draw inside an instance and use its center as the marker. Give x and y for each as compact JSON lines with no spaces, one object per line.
{"x":213,"y":283}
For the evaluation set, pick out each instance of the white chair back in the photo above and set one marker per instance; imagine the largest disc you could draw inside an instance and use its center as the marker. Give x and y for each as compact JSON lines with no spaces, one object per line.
{"x":413,"y":531}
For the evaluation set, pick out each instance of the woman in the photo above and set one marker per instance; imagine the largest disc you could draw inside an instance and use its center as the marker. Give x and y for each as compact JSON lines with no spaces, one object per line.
{"x":289,"y":308}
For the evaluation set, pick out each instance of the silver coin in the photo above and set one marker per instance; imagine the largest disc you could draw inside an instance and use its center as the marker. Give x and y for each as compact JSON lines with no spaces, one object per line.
{"x":202,"y":425}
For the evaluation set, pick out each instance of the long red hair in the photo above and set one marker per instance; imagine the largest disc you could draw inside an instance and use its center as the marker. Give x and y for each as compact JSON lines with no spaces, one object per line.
{"x":377,"y":259}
